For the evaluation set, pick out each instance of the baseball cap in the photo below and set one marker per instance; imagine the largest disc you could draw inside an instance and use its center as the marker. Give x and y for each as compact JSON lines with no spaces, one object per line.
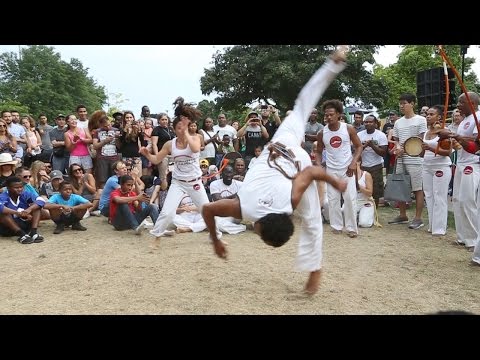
{"x":253,"y":113}
{"x":60,"y":116}
{"x":56,"y":174}
{"x":392,"y":112}
{"x":204,"y":162}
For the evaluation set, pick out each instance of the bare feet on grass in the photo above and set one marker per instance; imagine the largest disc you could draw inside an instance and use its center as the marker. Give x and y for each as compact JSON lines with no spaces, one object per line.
{"x":313,"y":283}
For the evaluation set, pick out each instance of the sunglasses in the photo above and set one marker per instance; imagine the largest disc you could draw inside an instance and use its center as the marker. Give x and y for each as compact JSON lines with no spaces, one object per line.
{"x":3,"y":125}
{"x":77,"y":170}
{"x":26,"y":176}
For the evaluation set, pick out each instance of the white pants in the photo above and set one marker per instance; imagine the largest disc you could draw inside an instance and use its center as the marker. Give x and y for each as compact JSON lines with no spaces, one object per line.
{"x":197,"y":193}
{"x":466,"y":203}
{"x":191,"y":219}
{"x":349,"y":202}
{"x":435,"y":187}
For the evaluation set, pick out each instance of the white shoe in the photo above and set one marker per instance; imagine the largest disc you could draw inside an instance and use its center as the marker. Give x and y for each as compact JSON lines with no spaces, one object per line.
{"x":148,"y":224}
{"x":95,"y":213}
{"x":169,"y":233}
{"x":87,"y":214}
{"x":139,"y":229}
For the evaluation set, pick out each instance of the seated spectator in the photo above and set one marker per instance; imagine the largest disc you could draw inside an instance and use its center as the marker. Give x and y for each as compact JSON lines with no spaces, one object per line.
{"x":7,"y":168}
{"x":239,"y":173}
{"x":67,"y":208}
{"x":365,"y":202}
{"x":84,"y":184}
{"x":120,"y":169}
{"x":227,"y":188}
{"x":53,"y":186}
{"x":187,"y":218}
{"x":125,"y":207}
{"x":20,"y":212}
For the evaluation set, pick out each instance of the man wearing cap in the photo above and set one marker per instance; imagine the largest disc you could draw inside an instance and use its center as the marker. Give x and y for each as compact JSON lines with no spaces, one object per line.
{"x":255,"y":135}
{"x":53,"y":186}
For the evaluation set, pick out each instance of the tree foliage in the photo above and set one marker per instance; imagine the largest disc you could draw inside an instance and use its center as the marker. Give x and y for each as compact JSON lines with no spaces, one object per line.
{"x":43,"y":83}
{"x":401,"y":76}
{"x":247,"y":73}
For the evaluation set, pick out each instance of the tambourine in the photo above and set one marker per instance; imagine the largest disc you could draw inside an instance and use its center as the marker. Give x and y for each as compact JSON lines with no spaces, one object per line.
{"x":413,"y":146}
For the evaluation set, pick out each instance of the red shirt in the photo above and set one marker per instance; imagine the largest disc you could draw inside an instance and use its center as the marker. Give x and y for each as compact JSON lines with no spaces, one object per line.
{"x":113,"y":204}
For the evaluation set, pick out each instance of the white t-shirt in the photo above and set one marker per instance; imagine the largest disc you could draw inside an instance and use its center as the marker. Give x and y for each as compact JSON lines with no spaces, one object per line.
{"x":405,"y":129}
{"x":369,"y":156}
{"x":219,"y":187}
{"x":467,"y":128}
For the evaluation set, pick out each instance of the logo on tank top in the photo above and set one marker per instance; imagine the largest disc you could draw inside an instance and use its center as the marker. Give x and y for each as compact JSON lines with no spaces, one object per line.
{"x":438,"y":173}
{"x":466,"y":125}
{"x":336,"y":141}
{"x":185,"y":164}
{"x":196,"y":187}
{"x":468,"y":170}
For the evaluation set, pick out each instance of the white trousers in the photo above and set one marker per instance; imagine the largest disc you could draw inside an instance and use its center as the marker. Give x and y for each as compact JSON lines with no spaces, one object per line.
{"x":435,"y":187}
{"x":349,"y":202}
{"x":175,"y":193}
{"x":466,"y":203}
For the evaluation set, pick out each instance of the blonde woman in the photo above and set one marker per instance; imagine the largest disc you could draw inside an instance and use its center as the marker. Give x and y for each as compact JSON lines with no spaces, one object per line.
{"x":39,"y":175}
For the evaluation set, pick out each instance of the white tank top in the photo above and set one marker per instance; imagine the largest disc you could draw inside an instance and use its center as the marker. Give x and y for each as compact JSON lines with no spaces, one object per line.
{"x":337,"y":146}
{"x":186,"y":163}
{"x":429,"y":158}
{"x":362,"y":183}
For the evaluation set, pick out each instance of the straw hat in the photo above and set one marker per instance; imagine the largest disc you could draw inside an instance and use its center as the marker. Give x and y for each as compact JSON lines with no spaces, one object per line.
{"x":6,"y":159}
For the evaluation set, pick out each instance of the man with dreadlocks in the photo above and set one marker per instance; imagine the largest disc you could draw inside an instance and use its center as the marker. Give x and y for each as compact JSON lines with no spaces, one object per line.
{"x":186,"y":175}
{"x":282,"y":180}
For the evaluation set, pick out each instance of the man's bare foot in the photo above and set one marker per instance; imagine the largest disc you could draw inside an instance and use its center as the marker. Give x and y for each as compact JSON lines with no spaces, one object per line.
{"x":181,"y":230}
{"x":313,"y":283}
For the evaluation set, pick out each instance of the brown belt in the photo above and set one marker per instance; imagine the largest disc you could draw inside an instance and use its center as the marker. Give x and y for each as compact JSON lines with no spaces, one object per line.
{"x":189,"y":181}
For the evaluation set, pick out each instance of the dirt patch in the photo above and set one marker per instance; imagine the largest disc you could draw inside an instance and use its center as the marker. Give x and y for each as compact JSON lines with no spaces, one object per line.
{"x":389,"y":270}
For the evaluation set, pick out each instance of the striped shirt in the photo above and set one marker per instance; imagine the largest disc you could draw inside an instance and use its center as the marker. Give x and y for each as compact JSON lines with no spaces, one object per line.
{"x":406,"y":128}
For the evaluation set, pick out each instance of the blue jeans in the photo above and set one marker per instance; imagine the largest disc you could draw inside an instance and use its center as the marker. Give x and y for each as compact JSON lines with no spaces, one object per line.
{"x":124,"y":219}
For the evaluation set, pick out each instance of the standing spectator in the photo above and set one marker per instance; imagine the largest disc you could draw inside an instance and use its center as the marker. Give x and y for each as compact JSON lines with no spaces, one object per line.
{"x":131,"y":140}
{"x":18,"y":132}
{"x":61,"y":156}
{"x":387,"y":160}
{"x":255,"y":135}
{"x":82,"y":115}
{"x":224,"y":129}
{"x":8,"y":143}
{"x":311,"y":130}
{"x":358,"y":121}
{"x":145,"y":115}
{"x":160,"y":135}
{"x":210,"y":140}
{"x":77,"y":141}
{"x":407,"y":126}
{"x":44,"y":129}
{"x":266,"y":112}
{"x":105,"y":141}
{"x":375,"y":146}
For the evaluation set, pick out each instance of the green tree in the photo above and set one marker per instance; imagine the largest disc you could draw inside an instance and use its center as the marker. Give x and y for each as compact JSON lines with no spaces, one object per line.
{"x":247,"y":73}
{"x":44,"y":83}
{"x":8,"y":105}
{"x":401,"y":76}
